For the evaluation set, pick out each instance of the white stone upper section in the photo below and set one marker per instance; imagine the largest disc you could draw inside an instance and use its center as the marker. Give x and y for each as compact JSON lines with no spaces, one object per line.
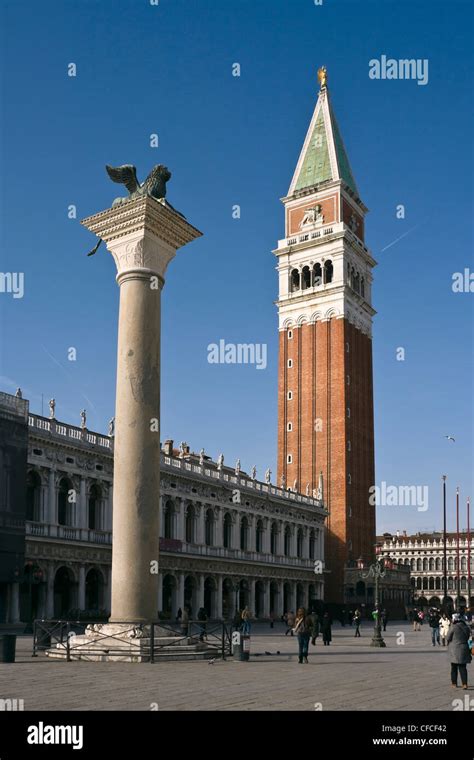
{"x":142,"y":235}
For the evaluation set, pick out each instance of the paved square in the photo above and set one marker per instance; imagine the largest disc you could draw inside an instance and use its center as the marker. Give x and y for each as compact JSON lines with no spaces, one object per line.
{"x":347,"y":675}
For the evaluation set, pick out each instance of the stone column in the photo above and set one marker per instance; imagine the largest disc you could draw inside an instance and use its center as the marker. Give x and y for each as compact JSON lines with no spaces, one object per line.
{"x":82,"y":511}
{"x":50,"y":593}
{"x":199,"y":594}
{"x":219,"y":528}
{"x":109,"y":511}
{"x":252,"y":596}
{"x":180,"y":528}
{"x":160,"y":592}
{"x":14,"y":612}
{"x":53,"y":518}
{"x":178,"y":596}
{"x":81,"y":588}
{"x":200,"y":517}
{"x":143,"y":235}
{"x":266,"y":599}
{"x":219,"y":598}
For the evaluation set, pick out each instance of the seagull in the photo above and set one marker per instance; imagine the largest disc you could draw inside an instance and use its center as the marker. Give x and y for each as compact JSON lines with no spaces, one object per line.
{"x":450,"y":438}
{"x":211,"y":662}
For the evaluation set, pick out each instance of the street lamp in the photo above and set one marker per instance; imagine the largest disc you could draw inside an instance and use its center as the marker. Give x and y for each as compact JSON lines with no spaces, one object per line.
{"x":376,"y":571}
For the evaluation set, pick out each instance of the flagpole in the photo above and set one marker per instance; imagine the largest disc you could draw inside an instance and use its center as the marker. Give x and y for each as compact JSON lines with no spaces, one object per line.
{"x":458,"y":574}
{"x":468,"y":555}
{"x":445,"y":569}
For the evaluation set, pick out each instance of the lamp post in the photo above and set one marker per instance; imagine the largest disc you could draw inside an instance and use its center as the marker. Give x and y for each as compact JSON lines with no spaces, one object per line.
{"x":376,"y":571}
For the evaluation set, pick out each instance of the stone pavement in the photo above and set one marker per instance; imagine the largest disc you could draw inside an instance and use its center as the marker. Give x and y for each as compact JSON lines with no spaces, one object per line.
{"x":347,"y":675}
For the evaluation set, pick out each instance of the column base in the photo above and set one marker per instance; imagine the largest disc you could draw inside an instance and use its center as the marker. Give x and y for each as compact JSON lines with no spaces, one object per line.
{"x":130,"y":642}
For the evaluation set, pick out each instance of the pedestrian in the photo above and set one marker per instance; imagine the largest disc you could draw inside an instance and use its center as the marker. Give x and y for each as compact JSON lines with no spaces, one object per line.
{"x":326,"y":629}
{"x":316,"y":628}
{"x":421,"y":619}
{"x":290,"y":621}
{"x":384,"y":618}
{"x":444,"y":624}
{"x":415,"y":619}
{"x":272,"y":620}
{"x":357,"y":622}
{"x":246,"y":620}
{"x":202,"y":617}
{"x":179,"y":615}
{"x":433,"y":622}
{"x":303,"y":628}
{"x":459,"y":651}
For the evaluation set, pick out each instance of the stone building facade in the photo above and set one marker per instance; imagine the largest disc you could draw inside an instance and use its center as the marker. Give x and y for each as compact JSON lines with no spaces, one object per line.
{"x":227,"y":540}
{"x":423,"y":553}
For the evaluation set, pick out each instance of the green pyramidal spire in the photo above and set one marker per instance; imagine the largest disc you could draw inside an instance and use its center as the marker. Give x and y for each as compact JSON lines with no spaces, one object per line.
{"x":323,"y":156}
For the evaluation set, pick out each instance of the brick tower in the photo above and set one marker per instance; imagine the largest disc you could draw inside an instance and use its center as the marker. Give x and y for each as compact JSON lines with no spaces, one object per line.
{"x":325,"y":397}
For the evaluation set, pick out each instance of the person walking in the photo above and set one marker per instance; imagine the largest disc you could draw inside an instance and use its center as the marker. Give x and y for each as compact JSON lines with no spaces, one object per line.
{"x":290,"y":622}
{"x":303,"y":628}
{"x":384,"y":618}
{"x":316,"y":628}
{"x":202,"y":617}
{"x":433,"y":622}
{"x":326,"y":629}
{"x":357,"y":622}
{"x":246,"y":620}
{"x":421,"y":619}
{"x":459,"y":651}
{"x":179,"y":615}
{"x":444,"y":624}
{"x":415,"y":620}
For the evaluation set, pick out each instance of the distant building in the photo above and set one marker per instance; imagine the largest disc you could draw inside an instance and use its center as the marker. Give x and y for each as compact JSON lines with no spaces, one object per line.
{"x":423,"y":552}
{"x":227,"y":539}
{"x":394,"y":588}
{"x":13,"y":468}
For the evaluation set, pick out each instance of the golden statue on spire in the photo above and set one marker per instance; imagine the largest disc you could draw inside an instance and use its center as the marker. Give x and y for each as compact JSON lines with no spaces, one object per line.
{"x":323,"y":77}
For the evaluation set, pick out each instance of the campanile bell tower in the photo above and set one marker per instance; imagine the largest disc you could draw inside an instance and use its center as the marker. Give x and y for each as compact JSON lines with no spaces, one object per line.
{"x":325,"y":396}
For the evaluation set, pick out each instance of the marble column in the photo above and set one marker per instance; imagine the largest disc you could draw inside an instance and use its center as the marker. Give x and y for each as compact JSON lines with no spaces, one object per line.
{"x":199,"y":593}
{"x":52,"y":500}
{"x":143,"y":235}
{"x":266,"y":599}
{"x":50,"y":594}
{"x":14,"y":611}
{"x":160,"y":592}
{"x":252,"y":596}
{"x":219,"y":598}
{"x":82,"y":507}
{"x":280,"y":603}
{"x":81,"y":592}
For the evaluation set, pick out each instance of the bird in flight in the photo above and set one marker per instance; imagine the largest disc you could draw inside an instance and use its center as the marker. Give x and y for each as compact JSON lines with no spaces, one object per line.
{"x":450,"y":438}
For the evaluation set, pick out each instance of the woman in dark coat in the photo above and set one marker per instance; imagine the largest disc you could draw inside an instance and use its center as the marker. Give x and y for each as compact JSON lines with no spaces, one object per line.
{"x":459,"y":652}
{"x":326,"y":629}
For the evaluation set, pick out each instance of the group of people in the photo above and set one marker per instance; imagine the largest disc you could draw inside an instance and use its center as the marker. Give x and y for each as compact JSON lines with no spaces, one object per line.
{"x":453,"y":632}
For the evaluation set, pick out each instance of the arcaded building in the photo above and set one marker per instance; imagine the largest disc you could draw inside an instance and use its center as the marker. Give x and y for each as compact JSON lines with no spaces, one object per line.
{"x":227,"y":539}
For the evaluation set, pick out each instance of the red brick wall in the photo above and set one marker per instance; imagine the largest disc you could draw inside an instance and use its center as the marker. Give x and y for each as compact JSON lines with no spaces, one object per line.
{"x":318,"y":380}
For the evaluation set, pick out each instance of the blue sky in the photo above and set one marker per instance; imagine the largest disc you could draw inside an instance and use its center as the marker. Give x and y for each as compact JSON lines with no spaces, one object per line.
{"x":167,"y":69}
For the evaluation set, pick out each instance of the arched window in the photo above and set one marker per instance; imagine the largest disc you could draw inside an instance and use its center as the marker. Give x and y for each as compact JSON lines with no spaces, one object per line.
{"x":295,"y":280}
{"x":244,"y":534}
{"x":317,"y":275}
{"x":413,"y":564}
{"x":328,"y":271}
{"x":274,"y":538}
{"x":463,"y":563}
{"x":168,"y":516}
{"x":418,"y":584}
{"x":431,"y":564}
{"x":259,"y":537}
{"x":299,"y":543}
{"x":418,"y":564}
{"x":312,"y":544}
{"x":209,"y":527}
{"x":190,"y":523}
{"x":33,"y":496}
{"x":287,"y":541}
{"x":425,"y":564}
{"x":65,"y":502}
{"x":451,"y":564}
{"x":305,"y":278}
{"x":362,"y":287}
{"x":227,"y":531}
{"x":93,"y":516}
{"x":438,"y":564}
